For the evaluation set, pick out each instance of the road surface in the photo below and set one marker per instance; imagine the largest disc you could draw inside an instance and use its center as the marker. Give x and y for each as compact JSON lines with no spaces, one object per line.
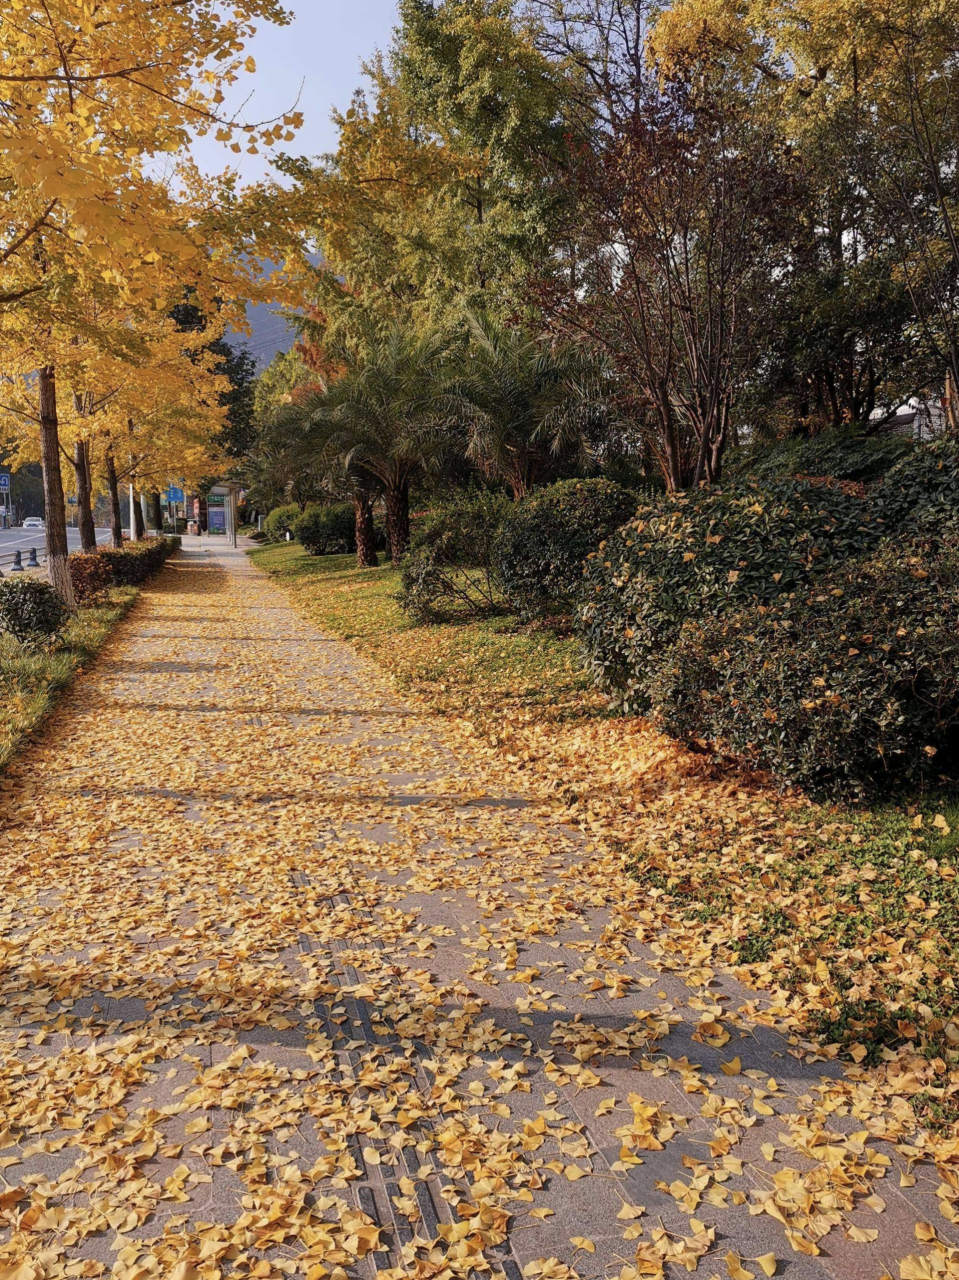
{"x":23,"y":539}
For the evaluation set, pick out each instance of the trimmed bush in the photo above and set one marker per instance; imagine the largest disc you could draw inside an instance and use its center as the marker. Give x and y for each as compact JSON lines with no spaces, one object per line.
{"x":920,"y":496}
{"x":91,"y":577}
{"x":326,"y":531}
{"x":30,"y":609}
{"x":703,"y":555}
{"x":548,"y":537}
{"x":449,"y":571}
{"x":845,"y":688}
{"x":280,"y":522}
{"x":138,"y":560}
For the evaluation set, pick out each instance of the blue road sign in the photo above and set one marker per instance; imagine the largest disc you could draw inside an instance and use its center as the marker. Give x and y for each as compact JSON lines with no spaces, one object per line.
{"x":4,"y":481}
{"x":173,"y":494}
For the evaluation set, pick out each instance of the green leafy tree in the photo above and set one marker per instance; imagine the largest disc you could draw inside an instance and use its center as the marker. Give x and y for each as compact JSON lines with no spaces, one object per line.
{"x":434,"y":196}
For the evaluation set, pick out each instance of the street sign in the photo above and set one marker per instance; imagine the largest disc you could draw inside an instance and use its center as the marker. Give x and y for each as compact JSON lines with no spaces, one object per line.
{"x":4,"y":481}
{"x":173,"y":494}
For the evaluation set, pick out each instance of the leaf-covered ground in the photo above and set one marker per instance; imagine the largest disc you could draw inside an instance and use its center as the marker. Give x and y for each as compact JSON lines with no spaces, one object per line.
{"x":850,"y":920}
{"x":303,"y":978}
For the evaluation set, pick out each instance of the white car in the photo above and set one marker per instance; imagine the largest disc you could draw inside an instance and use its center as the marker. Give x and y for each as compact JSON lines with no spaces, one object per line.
{"x":33,"y":522}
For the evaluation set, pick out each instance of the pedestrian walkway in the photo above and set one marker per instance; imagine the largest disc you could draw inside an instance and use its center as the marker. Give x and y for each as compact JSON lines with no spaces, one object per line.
{"x":293,"y":985}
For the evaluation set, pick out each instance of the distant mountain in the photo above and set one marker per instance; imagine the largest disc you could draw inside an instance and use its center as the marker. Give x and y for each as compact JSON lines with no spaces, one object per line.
{"x":270,"y":335}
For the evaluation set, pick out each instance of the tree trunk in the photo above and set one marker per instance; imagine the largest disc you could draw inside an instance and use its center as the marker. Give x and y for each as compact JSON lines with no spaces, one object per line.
{"x":55,"y":515}
{"x":81,"y":465}
{"x":366,"y":557}
{"x":157,"y":513}
{"x":116,"y":513}
{"x":950,"y":403}
{"x":398,"y":520}
{"x":139,"y":530}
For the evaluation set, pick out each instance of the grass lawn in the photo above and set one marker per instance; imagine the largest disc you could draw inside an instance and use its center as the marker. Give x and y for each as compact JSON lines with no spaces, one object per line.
{"x":30,"y":680}
{"x":848,"y":920}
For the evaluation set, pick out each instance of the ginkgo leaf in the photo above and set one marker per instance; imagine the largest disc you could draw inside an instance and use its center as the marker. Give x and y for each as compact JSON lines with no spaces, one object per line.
{"x":584,"y":1243}
{"x":735,"y":1268}
{"x":732,"y":1068}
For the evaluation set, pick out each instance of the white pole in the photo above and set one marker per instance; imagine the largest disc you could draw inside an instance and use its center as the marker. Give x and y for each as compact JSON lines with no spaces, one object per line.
{"x":132,"y":523}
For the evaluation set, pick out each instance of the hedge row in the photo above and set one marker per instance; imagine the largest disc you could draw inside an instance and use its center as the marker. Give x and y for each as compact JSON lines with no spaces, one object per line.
{"x":699,"y":556}
{"x":280,"y":522}
{"x":93,"y":574}
{"x":479,"y":552}
{"x":804,"y":626}
{"x":806,"y":629}
{"x":548,"y":537}
{"x":138,"y":560}
{"x":326,"y":531}
{"x":850,"y":686}
{"x":450,"y":570}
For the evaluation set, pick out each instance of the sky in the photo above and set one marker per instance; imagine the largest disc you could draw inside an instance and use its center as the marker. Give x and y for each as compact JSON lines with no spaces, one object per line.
{"x":317,"y":57}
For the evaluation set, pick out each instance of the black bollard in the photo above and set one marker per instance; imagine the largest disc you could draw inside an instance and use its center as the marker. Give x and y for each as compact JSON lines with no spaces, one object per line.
{"x":33,"y":562}
{"x":17,"y":566}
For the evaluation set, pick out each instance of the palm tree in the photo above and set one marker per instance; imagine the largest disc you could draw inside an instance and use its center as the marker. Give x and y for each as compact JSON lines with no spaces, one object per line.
{"x":530,"y":405}
{"x":298,"y":452}
{"x":384,"y":417}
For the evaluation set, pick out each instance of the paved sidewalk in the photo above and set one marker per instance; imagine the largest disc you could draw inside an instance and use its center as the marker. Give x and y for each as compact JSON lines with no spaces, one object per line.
{"x":293,"y":985}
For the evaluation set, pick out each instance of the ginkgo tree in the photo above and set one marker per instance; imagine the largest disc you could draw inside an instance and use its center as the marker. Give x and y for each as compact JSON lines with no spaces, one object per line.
{"x":134,"y":399}
{"x":90,"y":101}
{"x":89,"y":96}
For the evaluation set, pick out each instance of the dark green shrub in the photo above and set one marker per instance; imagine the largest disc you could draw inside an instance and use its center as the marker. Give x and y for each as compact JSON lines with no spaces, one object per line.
{"x":702,"y":555}
{"x":848,"y":686}
{"x":138,"y":560}
{"x":30,"y":609}
{"x":449,"y":571}
{"x":280,"y":522}
{"x":920,"y":496}
{"x":326,"y":531}
{"x":548,"y":537}
{"x":91,"y":577}
{"x":843,"y":455}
